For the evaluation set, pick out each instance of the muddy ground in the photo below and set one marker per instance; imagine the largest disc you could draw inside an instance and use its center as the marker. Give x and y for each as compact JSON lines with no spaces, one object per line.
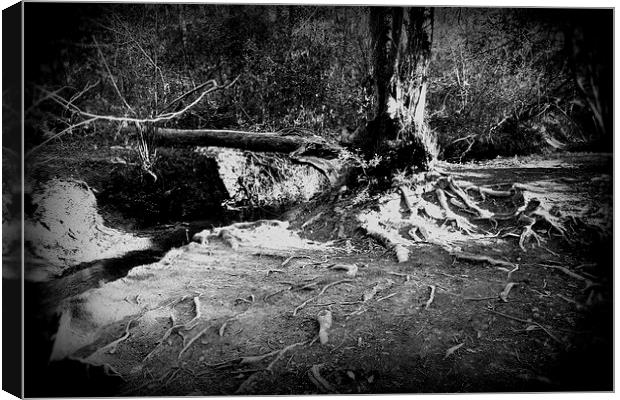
{"x":205,"y":318}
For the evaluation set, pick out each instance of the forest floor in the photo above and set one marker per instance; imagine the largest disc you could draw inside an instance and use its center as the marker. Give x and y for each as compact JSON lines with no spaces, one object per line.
{"x":241,"y":316}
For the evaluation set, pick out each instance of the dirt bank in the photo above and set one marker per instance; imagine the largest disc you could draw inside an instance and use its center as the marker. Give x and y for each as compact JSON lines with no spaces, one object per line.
{"x":236,"y":312}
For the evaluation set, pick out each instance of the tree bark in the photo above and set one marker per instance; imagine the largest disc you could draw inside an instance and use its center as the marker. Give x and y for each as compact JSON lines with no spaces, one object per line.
{"x":589,"y":47}
{"x":401,"y":48}
{"x":300,"y":145}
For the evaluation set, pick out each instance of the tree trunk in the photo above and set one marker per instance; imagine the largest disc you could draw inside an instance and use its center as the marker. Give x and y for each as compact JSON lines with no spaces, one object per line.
{"x":589,"y":47}
{"x":300,"y":145}
{"x":401,"y":46}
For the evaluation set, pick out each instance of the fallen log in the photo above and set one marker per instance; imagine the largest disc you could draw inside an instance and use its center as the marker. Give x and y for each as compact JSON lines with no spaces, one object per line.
{"x":306,"y":145}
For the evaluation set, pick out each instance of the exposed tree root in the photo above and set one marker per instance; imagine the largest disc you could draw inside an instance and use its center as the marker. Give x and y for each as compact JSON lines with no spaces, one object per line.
{"x":528,"y":231}
{"x":482,"y":214}
{"x":112,"y":346}
{"x":450,"y":216}
{"x":198,"y":315}
{"x":530,"y":322}
{"x":490,"y":192}
{"x":288,"y":260}
{"x":192,"y":340}
{"x":319,"y":381}
{"x":386,"y":297}
{"x":568,"y":272}
{"x":324,"y":318}
{"x":162,"y":340}
{"x":504,"y":293}
{"x":390,"y":240}
{"x":430,"y":298}
{"x":389,"y":228}
{"x":351,"y":269}
{"x":480,"y":258}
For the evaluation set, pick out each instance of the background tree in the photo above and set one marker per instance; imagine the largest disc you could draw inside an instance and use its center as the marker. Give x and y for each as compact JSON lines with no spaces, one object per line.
{"x":401,"y":49}
{"x":498,"y":81}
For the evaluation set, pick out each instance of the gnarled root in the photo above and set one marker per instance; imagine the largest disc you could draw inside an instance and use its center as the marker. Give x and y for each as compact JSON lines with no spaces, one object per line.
{"x":527,"y":232}
{"x":482,"y":214}
{"x":390,"y":240}
{"x":450,"y":216}
{"x":490,"y":192}
{"x":531,"y":214}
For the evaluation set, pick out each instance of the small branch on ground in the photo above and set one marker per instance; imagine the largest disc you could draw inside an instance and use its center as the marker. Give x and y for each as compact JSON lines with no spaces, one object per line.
{"x":386,"y":297}
{"x":302,"y":305}
{"x":245,"y":385}
{"x":288,"y":260}
{"x":527,"y":321}
{"x":568,"y":272}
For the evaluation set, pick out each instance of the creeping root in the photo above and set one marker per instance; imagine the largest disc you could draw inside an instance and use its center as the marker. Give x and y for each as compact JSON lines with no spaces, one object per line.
{"x":450,"y":216}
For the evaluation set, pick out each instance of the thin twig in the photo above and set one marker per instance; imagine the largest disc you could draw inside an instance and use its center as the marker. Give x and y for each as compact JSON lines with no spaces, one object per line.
{"x":567,"y":272}
{"x":105,"y":64}
{"x":302,"y":305}
{"x":385,"y":297}
{"x":525,"y":321}
{"x":68,"y":129}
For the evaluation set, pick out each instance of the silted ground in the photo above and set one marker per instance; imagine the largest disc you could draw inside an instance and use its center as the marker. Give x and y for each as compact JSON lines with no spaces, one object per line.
{"x":202,"y":312}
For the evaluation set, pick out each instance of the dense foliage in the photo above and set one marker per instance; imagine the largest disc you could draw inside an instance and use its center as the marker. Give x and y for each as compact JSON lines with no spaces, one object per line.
{"x":503,"y":81}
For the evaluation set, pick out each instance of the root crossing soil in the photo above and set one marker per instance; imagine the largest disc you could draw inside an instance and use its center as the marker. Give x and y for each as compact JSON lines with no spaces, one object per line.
{"x":239,"y":310}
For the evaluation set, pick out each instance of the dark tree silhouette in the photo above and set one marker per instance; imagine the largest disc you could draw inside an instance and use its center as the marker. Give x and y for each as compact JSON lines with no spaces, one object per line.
{"x":401,"y":48}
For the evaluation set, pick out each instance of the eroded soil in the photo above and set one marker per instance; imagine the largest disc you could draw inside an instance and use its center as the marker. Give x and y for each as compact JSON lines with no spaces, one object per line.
{"x":192,"y":322}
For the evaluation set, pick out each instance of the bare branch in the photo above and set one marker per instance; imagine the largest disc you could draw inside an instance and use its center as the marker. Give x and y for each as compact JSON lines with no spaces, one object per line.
{"x":105,"y":64}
